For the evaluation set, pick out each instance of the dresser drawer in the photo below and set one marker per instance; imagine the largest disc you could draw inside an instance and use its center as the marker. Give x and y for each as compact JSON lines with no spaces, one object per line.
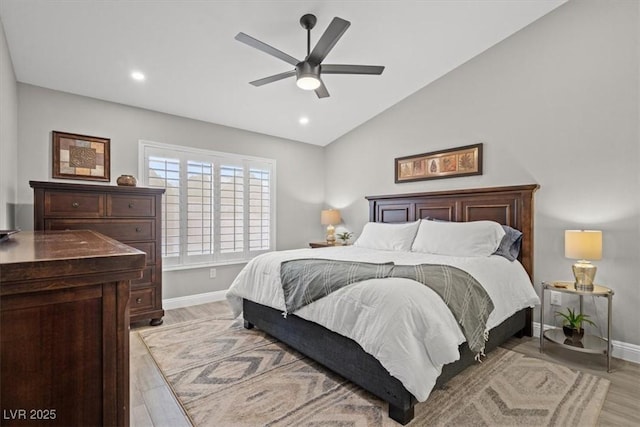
{"x":148,"y":278}
{"x":119,"y":229}
{"x":142,"y":299}
{"x":147,"y":247}
{"x":128,"y":206}
{"x":67,"y":204}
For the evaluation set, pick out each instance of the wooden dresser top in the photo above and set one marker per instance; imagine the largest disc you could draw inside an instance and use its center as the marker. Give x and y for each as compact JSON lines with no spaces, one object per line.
{"x":65,"y":186}
{"x":32,"y":255}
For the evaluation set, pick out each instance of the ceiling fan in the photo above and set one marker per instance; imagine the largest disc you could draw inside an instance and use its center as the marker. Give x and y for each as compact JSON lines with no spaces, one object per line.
{"x":308,"y":72}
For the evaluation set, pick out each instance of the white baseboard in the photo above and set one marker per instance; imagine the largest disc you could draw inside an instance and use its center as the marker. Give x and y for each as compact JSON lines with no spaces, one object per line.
{"x":190,"y":300}
{"x":621,"y":350}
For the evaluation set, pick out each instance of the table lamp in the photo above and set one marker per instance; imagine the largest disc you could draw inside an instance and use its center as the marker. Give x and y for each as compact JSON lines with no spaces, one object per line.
{"x":583,"y":245}
{"x":330,"y":217}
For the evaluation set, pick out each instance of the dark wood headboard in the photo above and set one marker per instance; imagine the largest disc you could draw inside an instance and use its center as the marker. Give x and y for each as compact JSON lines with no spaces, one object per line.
{"x":512,"y":206}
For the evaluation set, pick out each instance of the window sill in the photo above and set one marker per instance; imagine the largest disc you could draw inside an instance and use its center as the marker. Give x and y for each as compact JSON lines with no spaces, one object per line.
{"x":203,"y":265}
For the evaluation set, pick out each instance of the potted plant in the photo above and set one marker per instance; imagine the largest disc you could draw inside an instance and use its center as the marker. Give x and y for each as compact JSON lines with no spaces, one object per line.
{"x":345,"y":236}
{"x":572,"y":327}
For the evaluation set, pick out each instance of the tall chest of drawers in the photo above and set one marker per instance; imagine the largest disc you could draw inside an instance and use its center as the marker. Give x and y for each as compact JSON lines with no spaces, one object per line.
{"x":131,"y":215}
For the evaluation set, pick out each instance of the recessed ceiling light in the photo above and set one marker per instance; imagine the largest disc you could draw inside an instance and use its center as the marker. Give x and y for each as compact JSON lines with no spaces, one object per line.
{"x":137,"y":75}
{"x":303,"y":120}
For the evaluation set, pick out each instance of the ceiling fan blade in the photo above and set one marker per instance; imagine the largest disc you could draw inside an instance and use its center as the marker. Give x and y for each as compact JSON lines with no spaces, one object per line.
{"x":332,"y":34}
{"x":273,"y":78}
{"x":322,"y":91}
{"x":248,"y":40}
{"x":351,"y":69}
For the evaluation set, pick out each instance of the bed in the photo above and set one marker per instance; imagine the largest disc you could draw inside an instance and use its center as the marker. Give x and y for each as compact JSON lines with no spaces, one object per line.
{"x":511,"y":206}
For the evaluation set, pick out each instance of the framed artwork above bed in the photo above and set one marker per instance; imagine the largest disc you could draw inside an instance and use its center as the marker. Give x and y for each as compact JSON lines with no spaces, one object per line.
{"x":449,"y":163}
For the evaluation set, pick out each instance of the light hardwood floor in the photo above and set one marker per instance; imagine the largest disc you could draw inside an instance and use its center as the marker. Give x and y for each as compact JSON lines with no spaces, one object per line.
{"x":153,"y":403}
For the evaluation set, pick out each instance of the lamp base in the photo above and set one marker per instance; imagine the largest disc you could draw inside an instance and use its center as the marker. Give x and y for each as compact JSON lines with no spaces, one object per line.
{"x":331,"y":235}
{"x":584,"y":272}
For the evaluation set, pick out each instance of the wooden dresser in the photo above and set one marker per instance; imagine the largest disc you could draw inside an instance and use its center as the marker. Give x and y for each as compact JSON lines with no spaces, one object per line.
{"x":131,"y":215}
{"x":64,"y":340}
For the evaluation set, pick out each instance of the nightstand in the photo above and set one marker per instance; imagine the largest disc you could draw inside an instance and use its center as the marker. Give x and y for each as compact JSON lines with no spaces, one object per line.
{"x":589,"y":343}
{"x":323,"y":245}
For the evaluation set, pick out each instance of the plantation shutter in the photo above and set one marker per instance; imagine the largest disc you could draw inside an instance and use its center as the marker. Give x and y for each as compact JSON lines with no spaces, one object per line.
{"x":259,"y":208}
{"x":164,"y":173}
{"x":217,"y":207}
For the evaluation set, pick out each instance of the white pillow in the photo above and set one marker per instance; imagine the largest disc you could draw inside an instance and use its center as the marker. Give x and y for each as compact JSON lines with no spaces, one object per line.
{"x":475,"y":238}
{"x":388,"y":237}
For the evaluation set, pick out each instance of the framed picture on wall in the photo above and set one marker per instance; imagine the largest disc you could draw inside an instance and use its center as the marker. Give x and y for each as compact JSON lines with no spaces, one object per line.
{"x":81,"y":157}
{"x":452,"y":162}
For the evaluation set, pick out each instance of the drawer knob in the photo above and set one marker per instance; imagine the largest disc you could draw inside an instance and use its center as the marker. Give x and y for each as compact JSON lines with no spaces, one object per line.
{"x":75,"y":204}
{"x":131,"y":205}
{"x":138,"y":300}
{"x":138,"y":229}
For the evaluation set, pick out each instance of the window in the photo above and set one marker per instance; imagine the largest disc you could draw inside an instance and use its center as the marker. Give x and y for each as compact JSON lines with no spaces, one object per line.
{"x":217,"y":207}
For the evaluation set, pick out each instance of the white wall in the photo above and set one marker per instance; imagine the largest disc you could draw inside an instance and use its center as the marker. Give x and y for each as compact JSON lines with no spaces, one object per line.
{"x":8,"y":136}
{"x":555,"y":104}
{"x":299,"y":167}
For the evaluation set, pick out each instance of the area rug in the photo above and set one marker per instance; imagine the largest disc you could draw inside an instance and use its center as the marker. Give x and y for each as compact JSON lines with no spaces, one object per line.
{"x":225,"y":375}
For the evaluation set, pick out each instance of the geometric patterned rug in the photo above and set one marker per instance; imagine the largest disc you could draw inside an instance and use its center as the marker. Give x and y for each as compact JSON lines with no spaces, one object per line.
{"x":225,"y":375}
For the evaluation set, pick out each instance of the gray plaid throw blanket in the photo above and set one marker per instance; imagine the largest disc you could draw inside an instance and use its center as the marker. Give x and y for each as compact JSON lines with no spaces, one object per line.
{"x":307,"y":280}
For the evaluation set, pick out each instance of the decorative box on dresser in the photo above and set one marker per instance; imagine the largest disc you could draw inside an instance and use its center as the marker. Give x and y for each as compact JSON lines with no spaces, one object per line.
{"x":131,"y":215}
{"x":64,"y":340}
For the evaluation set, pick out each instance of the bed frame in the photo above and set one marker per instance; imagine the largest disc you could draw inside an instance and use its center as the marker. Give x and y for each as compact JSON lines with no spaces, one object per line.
{"x":512,"y":206}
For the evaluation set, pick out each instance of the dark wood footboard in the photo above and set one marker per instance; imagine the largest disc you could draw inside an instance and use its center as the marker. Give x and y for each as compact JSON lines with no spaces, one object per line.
{"x":513,"y":326}
{"x":346,"y":358}
{"x":336,"y":352}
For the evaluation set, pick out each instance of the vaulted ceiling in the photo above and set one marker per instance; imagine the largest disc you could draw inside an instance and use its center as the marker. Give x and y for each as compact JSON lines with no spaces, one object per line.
{"x":194,"y":68}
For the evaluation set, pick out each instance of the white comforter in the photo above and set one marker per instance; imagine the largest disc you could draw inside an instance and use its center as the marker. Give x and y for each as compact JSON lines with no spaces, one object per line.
{"x":402,"y":323}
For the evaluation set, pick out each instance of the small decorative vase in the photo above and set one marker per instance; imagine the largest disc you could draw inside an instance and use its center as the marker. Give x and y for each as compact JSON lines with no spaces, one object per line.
{"x":574,"y":335}
{"x":127,"y":180}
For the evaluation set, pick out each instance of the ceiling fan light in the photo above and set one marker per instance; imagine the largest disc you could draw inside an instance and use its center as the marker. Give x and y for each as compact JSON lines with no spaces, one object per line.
{"x":308,"y":82}
{"x":308,"y":76}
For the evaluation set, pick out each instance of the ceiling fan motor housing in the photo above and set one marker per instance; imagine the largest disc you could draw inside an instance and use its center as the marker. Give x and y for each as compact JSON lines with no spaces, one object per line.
{"x":307,"y":69}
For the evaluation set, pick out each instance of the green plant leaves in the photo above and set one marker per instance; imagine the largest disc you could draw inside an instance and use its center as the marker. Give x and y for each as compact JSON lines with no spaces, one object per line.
{"x":574,"y":320}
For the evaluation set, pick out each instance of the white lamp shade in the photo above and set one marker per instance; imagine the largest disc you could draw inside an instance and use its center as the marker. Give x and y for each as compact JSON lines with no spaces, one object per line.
{"x":330,"y":217}
{"x":583,"y":244}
